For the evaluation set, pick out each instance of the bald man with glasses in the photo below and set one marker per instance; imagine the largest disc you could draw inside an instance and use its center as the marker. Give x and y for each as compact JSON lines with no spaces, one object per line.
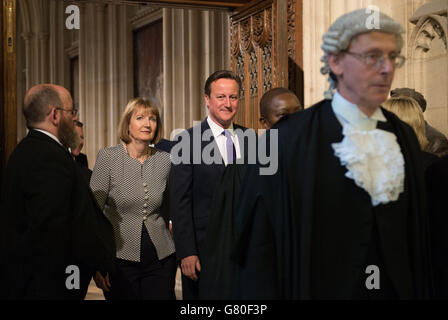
{"x":53,"y":236}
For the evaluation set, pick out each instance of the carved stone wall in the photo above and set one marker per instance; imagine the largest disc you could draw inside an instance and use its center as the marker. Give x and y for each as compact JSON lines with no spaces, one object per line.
{"x":425,"y":47}
{"x":428,"y":60}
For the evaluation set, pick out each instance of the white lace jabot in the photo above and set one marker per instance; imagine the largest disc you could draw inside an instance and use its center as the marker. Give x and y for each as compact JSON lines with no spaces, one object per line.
{"x":374,"y":160}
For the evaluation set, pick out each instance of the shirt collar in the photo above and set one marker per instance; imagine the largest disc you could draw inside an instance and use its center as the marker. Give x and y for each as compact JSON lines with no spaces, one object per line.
{"x":217,"y":129}
{"x":52,"y":136}
{"x":350,"y":112}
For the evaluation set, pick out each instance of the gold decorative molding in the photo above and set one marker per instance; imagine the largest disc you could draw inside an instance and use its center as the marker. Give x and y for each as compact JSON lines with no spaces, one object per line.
{"x":245,"y":32}
{"x":267,"y":67}
{"x":234,"y":39}
{"x":10,"y":25}
{"x":253,"y":74}
{"x":264,"y":38}
{"x":291,"y":22}
{"x":291,"y":27}
{"x":9,"y":78}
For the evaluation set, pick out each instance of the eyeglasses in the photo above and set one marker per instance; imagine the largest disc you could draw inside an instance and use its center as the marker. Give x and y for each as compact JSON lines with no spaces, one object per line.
{"x":73,"y":111}
{"x":376,"y":59}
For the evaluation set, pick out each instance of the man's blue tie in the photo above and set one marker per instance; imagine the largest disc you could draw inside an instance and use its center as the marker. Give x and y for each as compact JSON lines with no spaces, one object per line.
{"x":230,"y":147}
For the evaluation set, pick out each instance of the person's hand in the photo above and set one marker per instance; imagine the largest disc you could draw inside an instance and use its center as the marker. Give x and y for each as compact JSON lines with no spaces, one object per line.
{"x":189,"y":265}
{"x":171,"y":229}
{"x":102,"y":282}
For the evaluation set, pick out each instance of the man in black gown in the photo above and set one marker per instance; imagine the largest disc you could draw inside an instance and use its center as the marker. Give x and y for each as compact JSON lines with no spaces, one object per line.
{"x":344,"y":216}
{"x":218,"y":270}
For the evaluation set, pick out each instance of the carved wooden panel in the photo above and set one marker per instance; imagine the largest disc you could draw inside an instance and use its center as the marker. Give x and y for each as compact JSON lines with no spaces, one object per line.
{"x":2,"y":101}
{"x":9,"y":78}
{"x":266,"y":52}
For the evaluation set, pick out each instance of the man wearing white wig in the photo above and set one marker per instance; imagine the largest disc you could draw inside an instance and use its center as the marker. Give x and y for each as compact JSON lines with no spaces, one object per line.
{"x":344,"y":216}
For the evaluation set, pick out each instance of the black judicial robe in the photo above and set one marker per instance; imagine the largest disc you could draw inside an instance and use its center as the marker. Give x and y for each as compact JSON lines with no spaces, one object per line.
{"x":306,"y":231}
{"x":217,"y":269}
{"x":437,"y":186}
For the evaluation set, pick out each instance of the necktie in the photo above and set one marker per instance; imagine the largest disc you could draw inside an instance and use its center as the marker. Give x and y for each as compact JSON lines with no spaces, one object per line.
{"x":230,"y":147}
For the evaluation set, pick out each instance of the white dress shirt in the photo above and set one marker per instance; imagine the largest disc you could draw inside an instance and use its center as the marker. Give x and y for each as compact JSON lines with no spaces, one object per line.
{"x":221,"y":139}
{"x":349,"y":113}
{"x":52,"y":136}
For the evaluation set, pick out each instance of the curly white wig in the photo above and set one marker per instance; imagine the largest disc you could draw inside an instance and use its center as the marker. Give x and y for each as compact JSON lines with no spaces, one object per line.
{"x":342,"y":31}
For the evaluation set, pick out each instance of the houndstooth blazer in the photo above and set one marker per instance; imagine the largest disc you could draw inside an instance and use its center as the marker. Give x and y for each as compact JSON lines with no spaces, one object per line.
{"x":130,"y":194}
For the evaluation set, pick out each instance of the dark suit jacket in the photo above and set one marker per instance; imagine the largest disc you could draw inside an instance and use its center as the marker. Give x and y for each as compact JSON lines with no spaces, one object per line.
{"x":49,"y":220}
{"x":165,"y":145}
{"x":191,"y":192}
{"x":437,"y":188}
{"x":438,"y":143}
{"x":81,"y":160}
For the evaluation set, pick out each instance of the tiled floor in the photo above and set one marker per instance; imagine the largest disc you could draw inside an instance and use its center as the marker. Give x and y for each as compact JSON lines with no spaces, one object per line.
{"x":97,"y":294}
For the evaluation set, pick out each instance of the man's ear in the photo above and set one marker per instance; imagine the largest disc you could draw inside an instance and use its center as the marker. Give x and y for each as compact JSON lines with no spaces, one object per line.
{"x":263,"y":123}
{"x":207,"y":99}
{"x":54,"y":116}
{"x":335,"y":63}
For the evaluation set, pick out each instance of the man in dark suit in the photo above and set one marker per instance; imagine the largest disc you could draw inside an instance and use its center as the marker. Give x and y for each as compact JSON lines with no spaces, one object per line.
{"x":81,"y":158}
{"x":165,"y":145}
{"x":193,"y":180}
{"x":52,"y":233}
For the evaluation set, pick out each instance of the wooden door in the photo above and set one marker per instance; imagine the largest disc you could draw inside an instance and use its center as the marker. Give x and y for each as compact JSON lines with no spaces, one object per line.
{"x":266,"y":52}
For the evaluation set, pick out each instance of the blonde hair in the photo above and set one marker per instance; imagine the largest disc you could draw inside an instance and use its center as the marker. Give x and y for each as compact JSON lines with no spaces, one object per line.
{"x":135,"y":104}
{"x":408,"y":110}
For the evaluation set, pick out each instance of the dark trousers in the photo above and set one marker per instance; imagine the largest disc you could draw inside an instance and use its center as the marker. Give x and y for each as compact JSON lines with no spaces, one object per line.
{"x":149,"y":279}
{"x":190,"y":288}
